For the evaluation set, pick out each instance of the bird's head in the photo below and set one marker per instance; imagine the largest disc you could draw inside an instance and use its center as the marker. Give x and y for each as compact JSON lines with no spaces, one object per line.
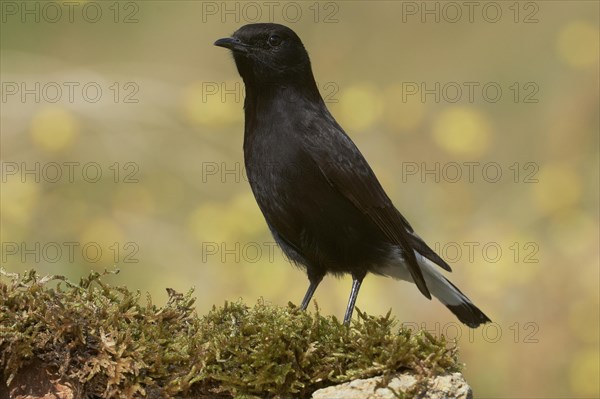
{"x":268,"y":53}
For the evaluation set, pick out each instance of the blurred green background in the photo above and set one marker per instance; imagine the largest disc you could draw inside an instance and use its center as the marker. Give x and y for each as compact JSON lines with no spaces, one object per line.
{"x":122,"y":145}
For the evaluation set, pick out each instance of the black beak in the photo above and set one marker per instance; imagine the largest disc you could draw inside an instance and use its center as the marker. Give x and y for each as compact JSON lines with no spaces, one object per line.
{"x":232,"y":44}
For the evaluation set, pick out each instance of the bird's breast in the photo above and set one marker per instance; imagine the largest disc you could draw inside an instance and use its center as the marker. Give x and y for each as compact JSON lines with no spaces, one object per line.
{"x":279,"y":170}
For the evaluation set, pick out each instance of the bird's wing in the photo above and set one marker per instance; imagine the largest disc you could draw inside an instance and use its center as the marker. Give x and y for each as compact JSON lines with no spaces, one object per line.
{"x":344,"y":167}
{"x":421,"y":247}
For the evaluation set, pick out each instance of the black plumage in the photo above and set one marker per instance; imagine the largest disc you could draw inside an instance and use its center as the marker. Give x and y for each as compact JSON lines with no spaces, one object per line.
{"x":319,"y":196}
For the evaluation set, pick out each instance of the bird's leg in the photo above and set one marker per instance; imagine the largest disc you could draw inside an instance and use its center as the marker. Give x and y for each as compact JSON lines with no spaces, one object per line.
{"x":314,"y":283}
{"x":356,"y":282}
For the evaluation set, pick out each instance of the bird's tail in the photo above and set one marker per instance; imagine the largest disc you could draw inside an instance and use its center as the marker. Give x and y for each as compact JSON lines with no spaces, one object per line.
{"x":451,"y":296}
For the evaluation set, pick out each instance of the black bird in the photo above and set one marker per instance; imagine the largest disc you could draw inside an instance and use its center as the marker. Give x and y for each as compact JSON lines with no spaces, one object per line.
{"x":319,"y":196}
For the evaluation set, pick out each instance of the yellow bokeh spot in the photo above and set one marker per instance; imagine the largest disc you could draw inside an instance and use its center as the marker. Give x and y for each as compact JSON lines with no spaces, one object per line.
{"x":523,"y":258}
{"x":204,"y":223}
{"x":573,"y":231}
{"x":359,"y":108}
{"x":578,"y":44}
{"x":580,"y":322}
{"x":584,"y":373}
{"x":19,"y":198}
{"x":253,"y":220}
{"x":134,"y":198}
{"x":214,"y":104}
{"x":238,"y":220}
{"x":403,"y":112}
{"x":103,"y":232}
{"x":462,"y":131}
{"x":263,"y":273}
{"x":559,"y":186}
{"x":54,"y":128}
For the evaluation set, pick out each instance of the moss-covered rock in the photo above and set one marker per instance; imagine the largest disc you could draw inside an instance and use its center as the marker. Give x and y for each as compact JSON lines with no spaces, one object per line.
{"x":107,"y":342}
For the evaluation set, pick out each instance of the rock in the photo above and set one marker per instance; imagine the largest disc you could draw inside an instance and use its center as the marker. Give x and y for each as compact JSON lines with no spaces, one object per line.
{"x":448,"y":386}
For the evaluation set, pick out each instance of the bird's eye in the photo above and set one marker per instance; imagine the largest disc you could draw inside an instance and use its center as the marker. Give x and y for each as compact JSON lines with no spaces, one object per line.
{"x":274,"y":41}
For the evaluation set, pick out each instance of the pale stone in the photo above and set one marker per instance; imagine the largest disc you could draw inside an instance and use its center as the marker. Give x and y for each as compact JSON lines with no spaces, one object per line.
{"x":448,"y":386}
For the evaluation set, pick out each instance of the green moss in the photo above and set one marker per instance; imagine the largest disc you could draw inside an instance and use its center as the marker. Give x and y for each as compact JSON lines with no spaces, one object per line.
{"x":118,"y":346}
